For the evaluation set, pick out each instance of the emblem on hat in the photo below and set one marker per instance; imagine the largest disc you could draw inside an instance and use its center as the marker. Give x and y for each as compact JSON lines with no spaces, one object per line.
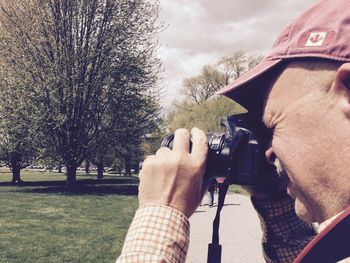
{"x":316,"y":39}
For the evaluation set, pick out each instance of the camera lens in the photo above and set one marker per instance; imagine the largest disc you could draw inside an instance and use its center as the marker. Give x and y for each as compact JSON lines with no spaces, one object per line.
{"x":215,"y":141}
{"x":216,"y":162}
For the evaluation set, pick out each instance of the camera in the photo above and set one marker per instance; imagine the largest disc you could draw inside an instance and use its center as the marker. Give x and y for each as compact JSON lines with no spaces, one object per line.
{"x":237,"y":153}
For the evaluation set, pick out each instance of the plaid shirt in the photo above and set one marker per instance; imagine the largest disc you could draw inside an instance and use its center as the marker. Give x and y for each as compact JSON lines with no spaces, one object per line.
{"x":157,"y":234}
{"x":161,"y":233}
{"x":285,"y":234}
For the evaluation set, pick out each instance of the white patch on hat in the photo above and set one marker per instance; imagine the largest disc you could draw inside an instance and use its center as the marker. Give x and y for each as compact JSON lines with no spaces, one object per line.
{"x":316,"y":39}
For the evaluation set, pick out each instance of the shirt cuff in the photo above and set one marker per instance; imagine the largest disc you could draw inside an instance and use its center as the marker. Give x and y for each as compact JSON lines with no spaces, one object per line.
{"x":158,"y":230}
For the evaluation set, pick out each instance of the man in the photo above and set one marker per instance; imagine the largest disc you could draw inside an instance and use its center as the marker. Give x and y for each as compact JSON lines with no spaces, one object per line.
{"x":212,"y":186}
{"x":301,"y":92}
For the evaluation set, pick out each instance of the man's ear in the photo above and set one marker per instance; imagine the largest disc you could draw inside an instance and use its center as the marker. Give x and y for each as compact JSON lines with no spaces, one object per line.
{"x":342,"y":78}
{"x":341,"y":85}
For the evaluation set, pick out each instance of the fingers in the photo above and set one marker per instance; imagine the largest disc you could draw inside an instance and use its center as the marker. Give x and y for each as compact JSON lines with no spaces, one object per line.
{"x":181,"y":141}
{"x":162,"y":151}
{"x":199,"y":144}
{"x":174,"y":177}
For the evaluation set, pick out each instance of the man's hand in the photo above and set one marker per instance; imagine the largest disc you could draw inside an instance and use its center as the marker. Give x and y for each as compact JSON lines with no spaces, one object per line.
{"x":174,"y":177}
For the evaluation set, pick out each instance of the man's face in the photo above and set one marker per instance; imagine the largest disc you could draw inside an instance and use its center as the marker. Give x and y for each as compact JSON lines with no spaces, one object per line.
{"x":304,"y":140}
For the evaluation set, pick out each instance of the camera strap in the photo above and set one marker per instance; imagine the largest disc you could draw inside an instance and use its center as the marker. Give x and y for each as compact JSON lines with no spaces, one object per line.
{"x":214,"y":248}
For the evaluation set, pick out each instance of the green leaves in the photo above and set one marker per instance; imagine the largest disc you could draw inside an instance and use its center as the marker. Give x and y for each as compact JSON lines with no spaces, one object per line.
{"x":201,"y":107}
{"x":82,"y":73}
{"x":205,"y":116}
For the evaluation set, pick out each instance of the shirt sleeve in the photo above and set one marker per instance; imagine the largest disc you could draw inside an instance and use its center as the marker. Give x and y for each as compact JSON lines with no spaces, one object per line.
{"x":158,"y":233}
{"x":284,"y":233}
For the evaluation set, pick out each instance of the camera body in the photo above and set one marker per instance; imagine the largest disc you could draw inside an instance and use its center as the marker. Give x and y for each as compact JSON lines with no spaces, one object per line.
{"x":236,"y":153}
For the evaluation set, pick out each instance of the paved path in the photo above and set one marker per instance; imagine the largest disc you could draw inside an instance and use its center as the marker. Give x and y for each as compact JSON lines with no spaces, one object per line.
{"x":240,"y":232}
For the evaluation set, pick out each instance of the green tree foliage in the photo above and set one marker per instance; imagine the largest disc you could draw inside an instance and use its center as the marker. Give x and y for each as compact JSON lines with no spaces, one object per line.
{"x":236,"y":64}
{"x":153,"y":141}
{"x":123,"y":138}
{"x":80,"y":58}
{"x":202,"y":87}
{"x":201,"y":107}
{"x":49,"y":158}
{"x":18,"y":147}
{"x":205,"y":116}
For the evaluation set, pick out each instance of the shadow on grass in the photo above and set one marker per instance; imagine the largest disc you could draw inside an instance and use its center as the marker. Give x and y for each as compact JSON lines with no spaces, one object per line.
{"x":87,"y":190}
{"x":116,"y":186}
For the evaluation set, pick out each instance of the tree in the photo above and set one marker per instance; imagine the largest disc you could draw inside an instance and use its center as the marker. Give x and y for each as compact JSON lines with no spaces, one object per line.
{"x":48,"y":157}
{"x":200,"y":88}
{"x":134,"y":125}
{"x":205,"y":116}
{"x":76,"y":53}
{"x":253,"y":60}
{"x":17,"y":134}
{"x":201,"y":106}
{"x":129,"y":117}
{"x":153,"y":141}
{"x":235,"y":65}
{"x":203,"y":86}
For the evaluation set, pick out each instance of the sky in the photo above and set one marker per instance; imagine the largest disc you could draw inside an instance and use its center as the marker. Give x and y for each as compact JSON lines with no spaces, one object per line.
{"x":199,"y":32}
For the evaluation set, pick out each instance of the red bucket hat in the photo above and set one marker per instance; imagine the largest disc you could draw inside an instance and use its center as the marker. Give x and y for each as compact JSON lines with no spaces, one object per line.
{"x":323,"y":31}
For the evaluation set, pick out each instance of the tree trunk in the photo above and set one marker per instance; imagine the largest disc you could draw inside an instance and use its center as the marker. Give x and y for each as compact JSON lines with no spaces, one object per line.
{"x":100,"y":170}
{"x":16,"y":175}
{"x":59,"y":167}
{"x":127,"y":160}
{"x":71,"y":176}
{"x":137,"y":167}
{"x":87,"y":167}
{"x":15,"y":166}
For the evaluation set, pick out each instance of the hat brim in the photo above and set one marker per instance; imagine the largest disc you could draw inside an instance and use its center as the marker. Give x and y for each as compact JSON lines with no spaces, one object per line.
{"x":239,"y":89}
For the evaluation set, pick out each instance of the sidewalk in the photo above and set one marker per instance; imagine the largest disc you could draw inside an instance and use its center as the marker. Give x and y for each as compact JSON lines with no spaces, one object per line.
{"x":240,"y":233}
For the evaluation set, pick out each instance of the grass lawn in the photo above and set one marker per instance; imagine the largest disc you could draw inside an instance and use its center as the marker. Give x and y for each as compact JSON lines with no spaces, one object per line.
{"x":237,"y":189}
{"x":43,"y":222}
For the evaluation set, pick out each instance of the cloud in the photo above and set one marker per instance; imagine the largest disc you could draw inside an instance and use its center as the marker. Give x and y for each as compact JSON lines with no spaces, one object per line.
{"x":201,"y":31}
